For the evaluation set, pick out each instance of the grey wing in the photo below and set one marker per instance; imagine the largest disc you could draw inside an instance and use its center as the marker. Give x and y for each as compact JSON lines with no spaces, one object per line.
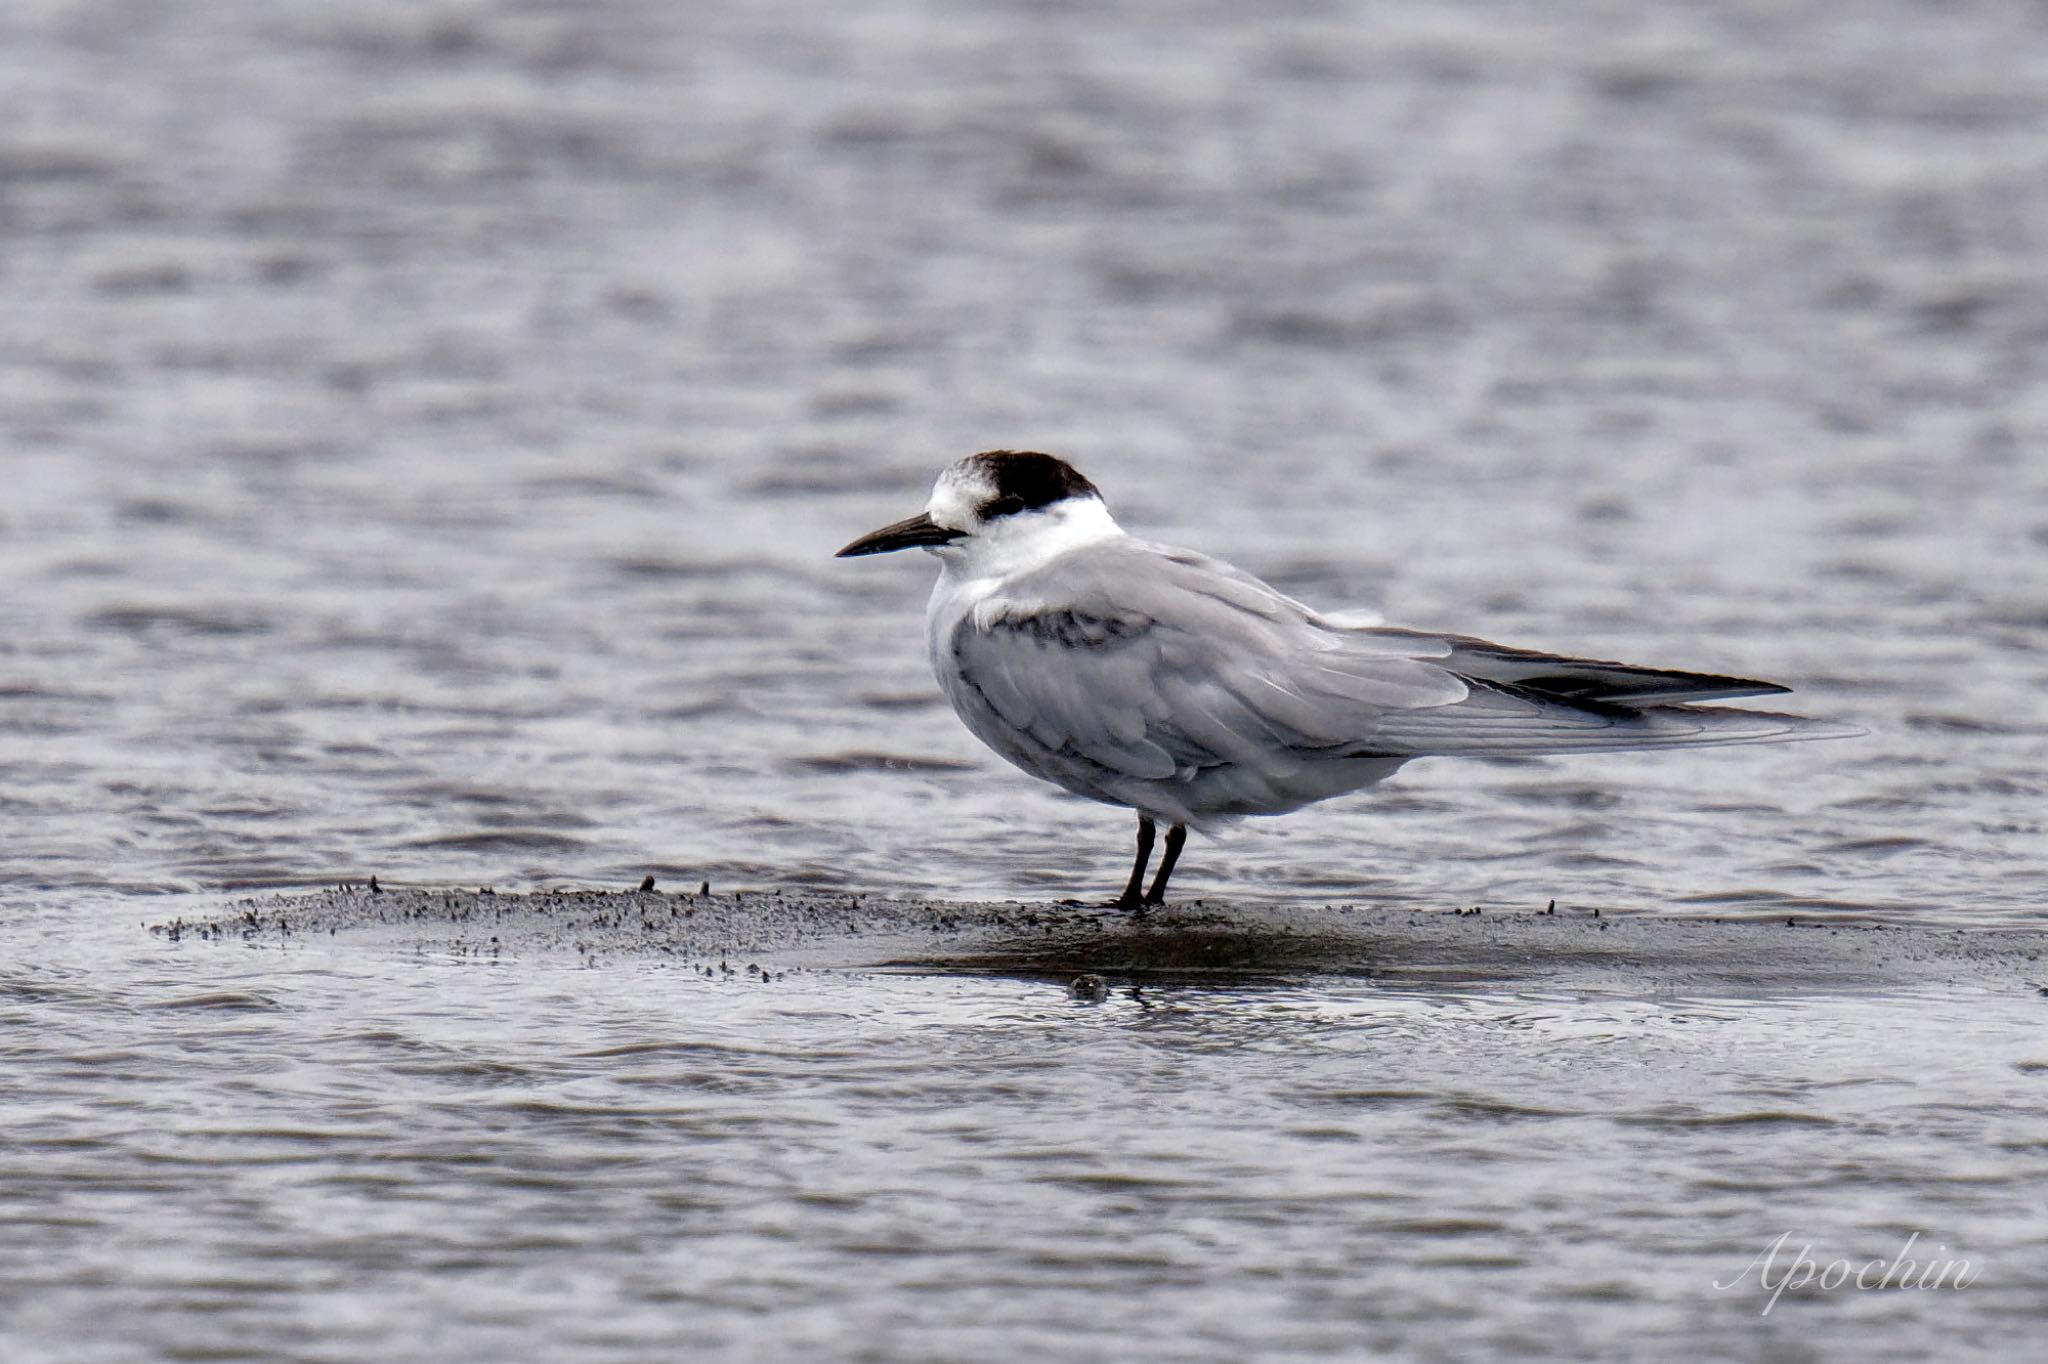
{"x":1526,"y":702}
{"x":1584,"y":679}
{"x":1135,"y":662}
{"x":1154,"y":664}
{"x":1503,"y":720}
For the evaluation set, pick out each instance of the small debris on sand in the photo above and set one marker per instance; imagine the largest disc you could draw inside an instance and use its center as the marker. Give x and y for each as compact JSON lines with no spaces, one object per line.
{"x":1643,"y":955}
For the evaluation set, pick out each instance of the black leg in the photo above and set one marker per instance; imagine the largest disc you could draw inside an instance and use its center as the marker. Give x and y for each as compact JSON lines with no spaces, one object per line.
{"x":1175,"y":836}
{"x":1131,"y":898}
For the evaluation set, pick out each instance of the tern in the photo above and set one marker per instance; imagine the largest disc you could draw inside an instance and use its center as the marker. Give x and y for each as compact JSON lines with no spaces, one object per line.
{"x":1186,"y":689}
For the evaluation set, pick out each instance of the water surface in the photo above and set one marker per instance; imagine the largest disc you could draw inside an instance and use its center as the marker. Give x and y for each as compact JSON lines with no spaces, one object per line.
{"x":425,"y":430}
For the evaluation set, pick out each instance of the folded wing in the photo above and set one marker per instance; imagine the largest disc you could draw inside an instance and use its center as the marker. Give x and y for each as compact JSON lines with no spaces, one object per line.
{"x":1156,"y":664}
{"x":1586,"y":679}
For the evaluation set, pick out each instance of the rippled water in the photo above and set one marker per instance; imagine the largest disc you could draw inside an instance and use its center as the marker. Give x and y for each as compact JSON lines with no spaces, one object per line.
{"x":425,"y":429}
{"x":311,"y":1153}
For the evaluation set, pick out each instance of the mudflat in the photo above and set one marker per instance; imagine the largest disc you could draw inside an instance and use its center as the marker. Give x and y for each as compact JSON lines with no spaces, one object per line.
{"x":1650,"y":955}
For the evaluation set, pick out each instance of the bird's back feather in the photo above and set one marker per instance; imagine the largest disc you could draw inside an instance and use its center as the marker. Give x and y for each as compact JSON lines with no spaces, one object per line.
{"x":1163,"y":679}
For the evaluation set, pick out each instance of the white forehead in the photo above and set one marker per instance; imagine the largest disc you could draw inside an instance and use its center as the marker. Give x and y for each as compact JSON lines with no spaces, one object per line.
{"x":961,"y":489}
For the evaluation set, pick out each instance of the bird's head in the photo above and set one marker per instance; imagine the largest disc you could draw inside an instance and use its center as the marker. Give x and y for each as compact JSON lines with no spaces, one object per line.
{"x":1004,"y":507}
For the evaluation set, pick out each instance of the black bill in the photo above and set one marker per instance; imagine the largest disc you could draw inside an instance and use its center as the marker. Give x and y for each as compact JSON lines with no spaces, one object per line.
{"x":909,"y":533}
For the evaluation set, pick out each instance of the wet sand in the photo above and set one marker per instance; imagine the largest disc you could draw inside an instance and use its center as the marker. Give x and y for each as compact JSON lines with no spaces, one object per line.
{"x":764,"y":933}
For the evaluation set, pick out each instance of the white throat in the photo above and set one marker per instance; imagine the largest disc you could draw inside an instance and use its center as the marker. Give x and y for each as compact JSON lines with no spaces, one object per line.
{"x":1023,"y":541}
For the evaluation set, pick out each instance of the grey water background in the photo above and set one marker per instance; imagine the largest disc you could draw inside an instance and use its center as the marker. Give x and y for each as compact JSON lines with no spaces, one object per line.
{"x":425,"y":428}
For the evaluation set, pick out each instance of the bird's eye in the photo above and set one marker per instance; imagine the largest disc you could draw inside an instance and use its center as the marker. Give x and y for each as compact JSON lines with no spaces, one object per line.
{"x":1008,"y":505}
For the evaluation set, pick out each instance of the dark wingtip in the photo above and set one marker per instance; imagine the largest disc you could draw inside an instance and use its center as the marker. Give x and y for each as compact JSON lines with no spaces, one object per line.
{"x":1620,"y":684}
